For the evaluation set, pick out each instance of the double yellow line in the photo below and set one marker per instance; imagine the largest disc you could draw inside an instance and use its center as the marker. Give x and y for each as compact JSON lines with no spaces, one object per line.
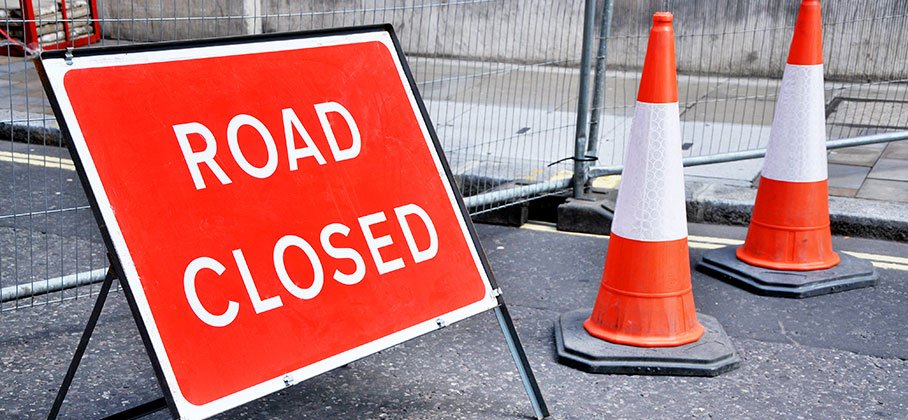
{"x":38,"y":160}
{"x":887,"y":262}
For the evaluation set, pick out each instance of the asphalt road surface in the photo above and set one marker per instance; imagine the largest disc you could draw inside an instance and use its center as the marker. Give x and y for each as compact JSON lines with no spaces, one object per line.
{"x":834,"y":356}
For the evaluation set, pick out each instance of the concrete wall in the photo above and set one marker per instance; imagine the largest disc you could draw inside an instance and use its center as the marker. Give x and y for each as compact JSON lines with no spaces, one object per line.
{"x":147,"y":20}
{"x":864,"y":39}
{"x":505,"y":30}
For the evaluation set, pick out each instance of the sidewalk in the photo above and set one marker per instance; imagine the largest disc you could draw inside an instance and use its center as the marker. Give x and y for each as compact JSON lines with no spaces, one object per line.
{"x":509,"y":121}
{"x":868,"y":184}
{"x":878,"y":172}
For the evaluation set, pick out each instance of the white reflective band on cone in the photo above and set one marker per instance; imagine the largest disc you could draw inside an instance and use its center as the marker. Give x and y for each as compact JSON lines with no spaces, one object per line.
{"x":650,"y":203}
{"x":797,"y":141}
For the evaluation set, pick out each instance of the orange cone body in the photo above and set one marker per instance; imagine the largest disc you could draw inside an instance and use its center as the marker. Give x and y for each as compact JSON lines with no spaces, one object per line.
{"x":789,"y":228}
{"x":645,"y":297}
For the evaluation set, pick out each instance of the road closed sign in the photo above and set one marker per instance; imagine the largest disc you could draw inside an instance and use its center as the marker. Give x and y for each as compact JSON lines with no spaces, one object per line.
{"x":278,"y":205}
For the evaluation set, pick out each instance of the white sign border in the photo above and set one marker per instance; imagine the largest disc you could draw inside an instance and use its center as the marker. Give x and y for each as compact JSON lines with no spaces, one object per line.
{"x":56,"y":69}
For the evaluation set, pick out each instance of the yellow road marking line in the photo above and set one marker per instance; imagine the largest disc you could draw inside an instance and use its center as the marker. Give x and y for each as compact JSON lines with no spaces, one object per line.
{"x":533,"y":174}
{"x":722,"y":241}
{"x":888,"y":262}
{"x":609,"y":182}
{"x":561,"y":174}
{"x":38,"y":160}
{"x":876,"y":257}
{"x":889,"y":266}
{"x":702,"y":245}
{"x":540,"y":227}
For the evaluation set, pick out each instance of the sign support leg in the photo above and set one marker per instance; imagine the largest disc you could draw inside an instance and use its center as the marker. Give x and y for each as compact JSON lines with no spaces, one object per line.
{"x":134,"y":412}
{"x":520,"y":359}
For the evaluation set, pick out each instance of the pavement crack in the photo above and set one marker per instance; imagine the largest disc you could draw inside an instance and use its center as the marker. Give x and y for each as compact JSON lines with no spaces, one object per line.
{"x":690,"y":105}
{"x":785,"y":334}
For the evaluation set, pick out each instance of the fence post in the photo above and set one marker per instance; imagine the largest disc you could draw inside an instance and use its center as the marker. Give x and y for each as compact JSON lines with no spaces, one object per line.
{"x":583,"y":101}
{"x":252,"y":10}
{"x":605,"y":28}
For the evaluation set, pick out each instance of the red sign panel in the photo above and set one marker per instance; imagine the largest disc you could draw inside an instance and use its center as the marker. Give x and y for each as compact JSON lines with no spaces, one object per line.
{"x":279,"y":207}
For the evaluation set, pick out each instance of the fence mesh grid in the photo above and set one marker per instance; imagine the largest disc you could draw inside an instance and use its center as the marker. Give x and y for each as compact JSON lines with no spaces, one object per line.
{"x":492,"y":79}
{"x":500,"y":79}
{"x":731,"y":55}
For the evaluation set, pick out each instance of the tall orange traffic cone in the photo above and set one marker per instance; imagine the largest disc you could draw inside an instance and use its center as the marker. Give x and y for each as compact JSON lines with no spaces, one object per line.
{"x":784,"y":235}
{"x":644,"y":320}
{"x":789,"y":229}
{"x":650,"y":304}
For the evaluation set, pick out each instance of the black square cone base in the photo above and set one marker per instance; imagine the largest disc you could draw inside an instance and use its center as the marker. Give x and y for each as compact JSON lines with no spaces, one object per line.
{"x":850,"y":273}
{"x":711,"y":355}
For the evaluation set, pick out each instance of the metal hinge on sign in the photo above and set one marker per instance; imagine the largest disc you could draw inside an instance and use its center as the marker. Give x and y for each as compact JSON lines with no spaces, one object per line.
{"x":68,"y":56}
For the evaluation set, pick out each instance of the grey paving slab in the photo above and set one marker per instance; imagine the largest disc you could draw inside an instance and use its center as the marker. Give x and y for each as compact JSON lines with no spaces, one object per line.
{"x":511,"y":85}
{"x":890,"y":169}
{"x":621,"y":90}
{"x":860,"y":155}
{"x":897,"y":150}
{"x":842,"y":192}
{"x":880,"y":112}
{"x":758,"y":88}
{"x":876,"y":91}
{"x":884,"y":190}
{"x":744,"y":171}
{"x":839,"y":131}
{"x":732,"y":110}
{"x":846,"y":176}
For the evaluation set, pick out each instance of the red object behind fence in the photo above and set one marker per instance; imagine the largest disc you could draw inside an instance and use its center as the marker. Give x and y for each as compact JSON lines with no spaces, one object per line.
{"x":29,"y":40}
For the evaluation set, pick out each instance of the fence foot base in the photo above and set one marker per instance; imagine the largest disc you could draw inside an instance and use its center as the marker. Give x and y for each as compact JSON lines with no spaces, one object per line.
{"x":513,"y":215}
{"x":585,"y":216}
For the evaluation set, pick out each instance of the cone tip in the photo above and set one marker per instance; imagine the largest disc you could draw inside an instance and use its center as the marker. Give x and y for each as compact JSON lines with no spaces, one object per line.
{"x":658,"y":84}
{"x":666,"y":17}
{"x":807,"y":42}
{"x":810,"y":3}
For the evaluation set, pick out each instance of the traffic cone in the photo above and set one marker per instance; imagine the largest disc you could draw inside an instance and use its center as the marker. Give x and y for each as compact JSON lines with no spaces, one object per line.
{"x":644,"y":320}
{"x":788,"y":249}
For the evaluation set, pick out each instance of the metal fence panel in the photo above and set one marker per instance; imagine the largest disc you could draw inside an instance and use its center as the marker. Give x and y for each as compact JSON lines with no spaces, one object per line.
{"x":731,"y":54}
{"x":500,"y":79}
